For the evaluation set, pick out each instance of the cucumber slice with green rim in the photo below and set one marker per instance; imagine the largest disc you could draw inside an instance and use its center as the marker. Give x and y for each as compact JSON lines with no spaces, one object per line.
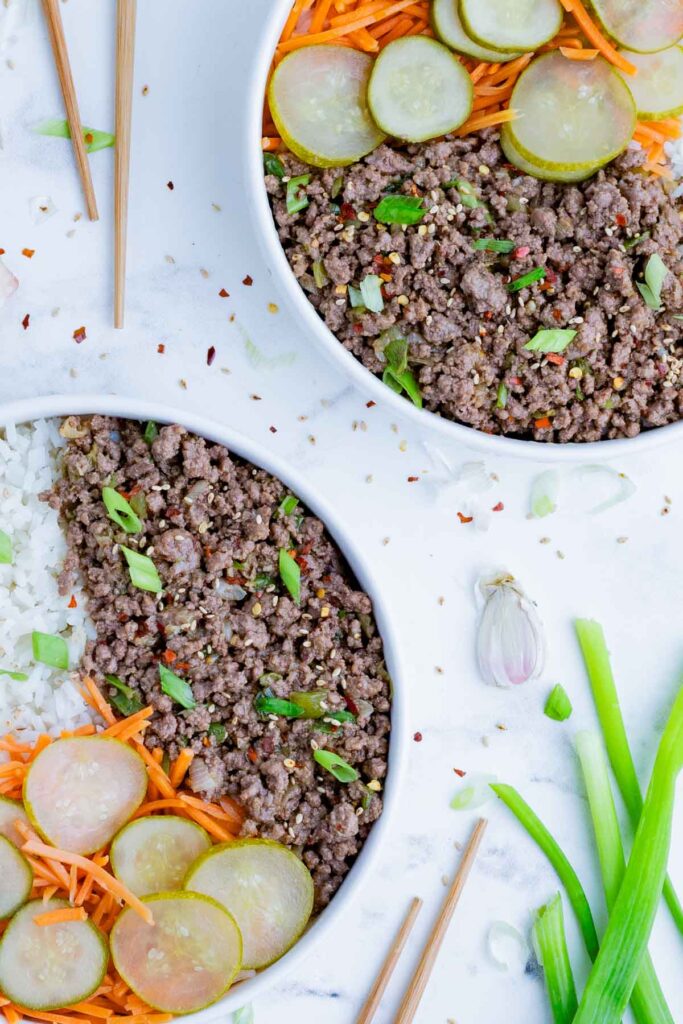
{"x":658,"y":87}
{"x":10,"y":811}
{"x":513,"y":155}
{"x":17,"y":879}
{"x":45,"y":967}
{"x":266,"y":888}
{"x":318,"y":99}
{"x":419,"y":90}
{"x":448,"y":27}
{"x":186,"y":960}
{"x":153,"y":855}
{"x":643,"y":26}
{"x":79,"y":792}
{"x":512,"y":25}
{"x":572,"y":115}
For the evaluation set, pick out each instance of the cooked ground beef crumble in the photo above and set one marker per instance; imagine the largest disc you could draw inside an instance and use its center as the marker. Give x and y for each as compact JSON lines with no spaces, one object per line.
{"x":466,"y":332}
{"x":213,"y":525}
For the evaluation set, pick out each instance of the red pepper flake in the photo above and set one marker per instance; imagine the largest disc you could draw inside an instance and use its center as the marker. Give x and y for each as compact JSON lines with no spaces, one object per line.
{"x":302,"y":563}
{"x":79,"y":335}
{"x":520,"y":252}
{"x":499,"y":507}
{"x":273,"y":430}
{"x":557,"y":314}
{"x":357,"y":328}
{"x":2,"y":252}
{"x":550,"y":275}
{"x":460,"y":773}
{"x":183,"y":666}
{"x":621,"y":220}
{"x":465,"y":519}
{"x":223,"y":294}
{"x":347,"y":212}
{"x":211,"y":355}
{"x":25,"y":321}
{"x":248,"y":281}
{"x":161,"y":348}
{"x":413,"y":479}
{"x":370,"y":404}
{"x":543,"y":424}
{"x":252,"y":755}
{"x":617,"y":271}
{"x":517,"y":381}
{"x":73,"y":603}
{"x":170,"y":186}
{"x":556,"y":358}
{"x":169,"y":657}
{"x":351,"y":705}
{"x":488,"y":315}
{"x":418,"y":737}
{"x":28,"y":253}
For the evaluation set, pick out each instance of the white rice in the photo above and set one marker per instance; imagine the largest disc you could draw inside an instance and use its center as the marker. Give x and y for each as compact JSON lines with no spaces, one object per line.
{"x":48,"y":700}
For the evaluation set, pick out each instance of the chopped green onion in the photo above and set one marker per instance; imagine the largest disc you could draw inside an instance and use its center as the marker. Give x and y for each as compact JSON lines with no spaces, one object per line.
{"x":493,"y":245}
{"x":355,"y":297}
{"x":474,"y":791}
{"x":647,"y":999}
{"x":290,"y":574}
{"x":558,"y":706}
{"x":50,"y":650}
{"x":319,"y":274}
{"x":565,"y":872}
{"x":120,"y":511}
{"x":297,"y":199}
{"x":311,"y":702}
{"x":371,"y":290}
{"x":400,"y":210}
{"x":656,"y":272}
{"x":218,"y":731}
{"x":555,"y":340}
{"x":337,"y":186}
{"x":552,"y":945}
{"x":266,"y":704}
{"x":544,"y":494}
{"x":94,"y":139}
{"x":287,"y":505}
{"x":502,"y":396}
{"x":126,"y":701}
{"x":537,"y":274}
{"x":269,"y":678}
{"x":404,"y":382}
{"x":151,"y":432}
{"x":636,"y":240}
{"x":616,"y":969}
{"x":273,"y":165}
{"x":467,"y":193}
{"x":179,"y":690}
{"x":245,"y":1015}
{"x":599,"y":670}
{"x":19,"y":677}
{"x":396,"y":354}
{"x":336,"y":765}
{"x":143,"y":572}
{"x":6,"y":553}
{"x":261,"y":581}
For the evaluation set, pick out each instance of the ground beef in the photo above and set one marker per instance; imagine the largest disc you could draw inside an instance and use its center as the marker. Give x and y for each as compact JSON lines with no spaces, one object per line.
{"x":214,"y":529}
{"x":466,"y":332}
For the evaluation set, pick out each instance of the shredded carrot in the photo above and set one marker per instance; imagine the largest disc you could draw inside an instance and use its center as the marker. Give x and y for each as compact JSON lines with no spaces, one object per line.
{"x":543,"y":423}
{"x":97,"y":701}
{"x":578,"y":53}
{"x":61,"y":916}
{"x":125,"y":724}
{"x":595,"y":36}
{"x":180,"y":766}
{"x":155,"y":771}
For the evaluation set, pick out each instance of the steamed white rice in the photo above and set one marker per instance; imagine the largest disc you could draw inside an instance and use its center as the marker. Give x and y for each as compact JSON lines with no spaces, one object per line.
{"x":48,"y":700}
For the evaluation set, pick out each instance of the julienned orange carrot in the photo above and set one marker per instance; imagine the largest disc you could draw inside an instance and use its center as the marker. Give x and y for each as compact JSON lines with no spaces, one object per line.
{"x":595,"y":36}
{"x":93,"y":697}
{"x":61,"y":916}
{"x":578,"y":53}
{"x":180,"y":766}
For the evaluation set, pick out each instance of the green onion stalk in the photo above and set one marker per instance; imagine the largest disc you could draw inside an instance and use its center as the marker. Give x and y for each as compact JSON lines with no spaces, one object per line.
{"x":647,"y":999}
{"x":551,"y":942}
{"x":624,"y":945}
{"x":596,"y":658}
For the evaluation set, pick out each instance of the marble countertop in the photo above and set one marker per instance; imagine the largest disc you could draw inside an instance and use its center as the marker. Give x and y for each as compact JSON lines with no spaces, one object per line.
{"x":188,"y":242}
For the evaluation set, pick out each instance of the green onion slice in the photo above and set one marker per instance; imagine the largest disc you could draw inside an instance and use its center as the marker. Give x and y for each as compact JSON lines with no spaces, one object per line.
{"x":555,"y":340}
{"x":266,"y":704}
{"x":273,"y":165}
{"x":6,"y":553}
{"x":143,"y":571}
{"x":371,"y":290}
{"x":126,"y":701}
{"x":336,"y":765}
{"x":179,"y":690}
{"x":94,"y":139}
{"x":502,"y":396}
{"x":18,"y":677}
{"x":50,"y":650}
{"x":551,"y":940}
{"x":558,"y":706}
{"x":656,"y":271}
{"x":218,"y":731}
{"x":297,"y":199}
{"x":287,"y":505}
{"x":151,"y":432}
{"x":120,"y":511}
{"x":537,"y":274}
{"x":311,"y":702}
{"x":493,"y":245}
{"x":400,"y":210}
{"x":290,"y":574}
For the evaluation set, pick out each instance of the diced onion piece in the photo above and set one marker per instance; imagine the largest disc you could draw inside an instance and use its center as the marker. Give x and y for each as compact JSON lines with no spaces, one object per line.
{"x":658,"y":87}
{"x":17,"y":879}
{"x":44,"y":967}
{"x":79,"y":792}
{"x":266,"y":888}
{"x":448,"y":27}
{"x":8,"y":283}
{"x":154,"y":854}
{"x":596,"y":489}
{"x":544,"y":494}
{"x":186,"y":960}
{"x":10,"y":811}
{"x":512,"y":25}
{"x":318,"y":99}
{"x":474,"y":791}
{"x":419,"y":90}
{"x":573,"y":115}
{"x":507,"y":947}
{"x":643,"y":26}
{"x":514,"y":156}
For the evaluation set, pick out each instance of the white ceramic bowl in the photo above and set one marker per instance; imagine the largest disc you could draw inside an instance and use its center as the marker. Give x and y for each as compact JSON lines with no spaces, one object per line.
{"x":351,"y":367}
{"x":321,"y":935}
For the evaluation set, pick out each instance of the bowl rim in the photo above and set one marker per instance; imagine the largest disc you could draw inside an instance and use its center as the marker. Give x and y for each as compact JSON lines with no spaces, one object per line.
{"x":366,"y":382}
{"x":49,"y":406}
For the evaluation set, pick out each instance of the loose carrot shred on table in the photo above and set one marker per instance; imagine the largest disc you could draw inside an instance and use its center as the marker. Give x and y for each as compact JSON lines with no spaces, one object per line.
{"x":61,"y":916}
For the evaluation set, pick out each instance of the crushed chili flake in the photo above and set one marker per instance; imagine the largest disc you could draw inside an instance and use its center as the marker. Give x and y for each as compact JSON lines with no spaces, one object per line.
{"x":248,"y":281}
{"x":25,"y":321}
{"x":521,"y":251}
{"x":347,"y":212}
{"x":556,"y":358}
{"x":413,"y":479}
{"x":357,"y":328}
{"x":210,"y":355}
{"x":273,"y":430}
{"x":223,"y":294}
{"x":170,"y":186}
{"x":28,"y":253}
{"x":161,"y":348}
{"x":557,"y":313}
{"x":465,"y":519}
{"x":460,"y":773}
{"x":73,"y":603}
{"x":418,"y":737}
{"x":169,"y":656}
{"x":499,"y":507}
{"x":516,"y":381}
{"x":351,"y":705}
{"x":79,"y":335}
{"x":621,"y":220}
{"x":252,"y":755}
{"x":370,"y":404}
{"x":2,"y":252}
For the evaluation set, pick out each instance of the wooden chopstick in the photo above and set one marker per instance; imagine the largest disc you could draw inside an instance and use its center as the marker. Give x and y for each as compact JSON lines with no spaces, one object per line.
{"x":384,"y":977}
{"x":61,"y":54}
{"x":417,"y":986}
{"x":126,"y":13}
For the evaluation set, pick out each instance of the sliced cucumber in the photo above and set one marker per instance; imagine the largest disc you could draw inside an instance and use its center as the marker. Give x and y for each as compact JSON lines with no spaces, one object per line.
{"x":643,"y":26}
{"x":153,"y":855}
{"x":17,"y":879}
{"x":512,"y":25}
{"x":45,"y":967}
{"x":572,"y":115}
{"x":419,"y":90}
{"x":515,"y":157}
{"x":186,"y":960}
{"x":448,"y":27}
{"x":658,"y":87}
{"x":10,"y":811}
{"x":79,"y":792}
{"x":318,"y":99}
{"x":266,"y":888}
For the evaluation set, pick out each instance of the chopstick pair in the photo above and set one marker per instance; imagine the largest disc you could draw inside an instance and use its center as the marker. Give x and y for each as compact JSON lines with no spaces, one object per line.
{"x":125,"y":56}
{"x":418,"y":984}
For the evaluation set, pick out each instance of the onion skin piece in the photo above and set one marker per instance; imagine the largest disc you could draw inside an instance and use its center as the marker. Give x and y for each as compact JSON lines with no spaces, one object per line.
{"x":624,"y":945}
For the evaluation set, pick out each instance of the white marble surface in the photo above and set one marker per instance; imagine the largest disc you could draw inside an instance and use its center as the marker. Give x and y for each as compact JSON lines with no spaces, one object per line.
{"x":183,"y":250}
